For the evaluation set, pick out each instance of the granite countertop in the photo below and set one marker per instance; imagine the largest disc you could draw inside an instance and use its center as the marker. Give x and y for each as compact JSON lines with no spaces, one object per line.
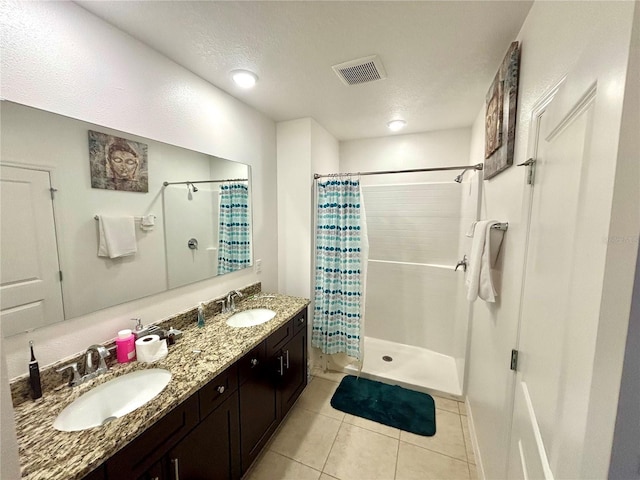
{"x":46,"y":453}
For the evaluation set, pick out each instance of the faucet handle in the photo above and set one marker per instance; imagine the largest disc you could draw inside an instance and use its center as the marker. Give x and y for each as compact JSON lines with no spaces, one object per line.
{"x":102,"y":354}
{"x":232,"y":295}
{"x":223,"y":308}
{"x":75,"y":378}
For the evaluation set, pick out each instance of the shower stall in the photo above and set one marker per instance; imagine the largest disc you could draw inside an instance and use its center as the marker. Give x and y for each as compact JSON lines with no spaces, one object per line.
{"x":416,"y":314}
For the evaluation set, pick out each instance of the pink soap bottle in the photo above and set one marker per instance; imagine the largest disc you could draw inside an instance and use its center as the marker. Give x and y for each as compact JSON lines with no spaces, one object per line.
{"x":126,"y":346}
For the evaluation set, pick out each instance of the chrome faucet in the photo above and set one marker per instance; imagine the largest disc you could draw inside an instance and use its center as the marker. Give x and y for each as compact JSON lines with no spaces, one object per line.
{"x":90,"y":370}
{"x":229,"y":305}
{"x":89,"y":367}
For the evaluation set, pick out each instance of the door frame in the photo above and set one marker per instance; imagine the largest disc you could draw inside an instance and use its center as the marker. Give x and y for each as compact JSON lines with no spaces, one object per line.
{"x":535,"y":133}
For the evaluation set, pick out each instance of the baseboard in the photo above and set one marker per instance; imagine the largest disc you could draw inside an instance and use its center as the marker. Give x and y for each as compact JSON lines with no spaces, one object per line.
{"x":474,"y":440}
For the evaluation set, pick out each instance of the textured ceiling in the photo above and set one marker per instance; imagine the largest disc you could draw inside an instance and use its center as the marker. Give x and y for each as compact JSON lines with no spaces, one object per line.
{"x":440,"y":57}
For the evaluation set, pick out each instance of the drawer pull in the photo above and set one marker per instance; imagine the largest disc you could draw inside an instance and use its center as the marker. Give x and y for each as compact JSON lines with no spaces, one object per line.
{"x":254,"y":362}
{"x":176,"y":468}
{"x":220,"y":389}
{"x":301,"y":320}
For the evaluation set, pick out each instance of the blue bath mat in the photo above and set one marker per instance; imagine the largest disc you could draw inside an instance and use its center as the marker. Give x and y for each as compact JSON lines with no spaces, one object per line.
{"x":390,"y":405}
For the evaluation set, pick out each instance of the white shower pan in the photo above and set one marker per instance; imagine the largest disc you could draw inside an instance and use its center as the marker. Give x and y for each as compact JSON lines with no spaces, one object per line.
{"x":411,"y":367}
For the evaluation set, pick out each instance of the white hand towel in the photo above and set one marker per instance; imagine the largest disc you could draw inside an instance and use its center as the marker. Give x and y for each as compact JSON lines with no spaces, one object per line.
{"x":117,"y":237}
{"x":478,"y":281}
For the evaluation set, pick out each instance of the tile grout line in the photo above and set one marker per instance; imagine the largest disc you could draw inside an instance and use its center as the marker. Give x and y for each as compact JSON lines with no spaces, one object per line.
{"x":464,"y":440}
{"x":395,"y":472}
{"x":433,"y":451}
{"x":331,"y":449}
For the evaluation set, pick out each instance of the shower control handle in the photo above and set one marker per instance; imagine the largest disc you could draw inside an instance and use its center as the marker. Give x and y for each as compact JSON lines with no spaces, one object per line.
{"x":462,"y":263}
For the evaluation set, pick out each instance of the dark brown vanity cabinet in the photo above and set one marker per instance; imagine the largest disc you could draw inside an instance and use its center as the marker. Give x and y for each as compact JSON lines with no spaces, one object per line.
{"x":219,"y":431}
{"x":212,"y":450}
{"x":291,"y":366}
{"x":259,"y":411}
{"x":199,"y":440}
{"x":272,"y":376}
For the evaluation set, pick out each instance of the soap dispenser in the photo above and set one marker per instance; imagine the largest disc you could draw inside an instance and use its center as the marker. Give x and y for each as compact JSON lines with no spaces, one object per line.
{"x":126,"y":346}
{"x":201,"y":315}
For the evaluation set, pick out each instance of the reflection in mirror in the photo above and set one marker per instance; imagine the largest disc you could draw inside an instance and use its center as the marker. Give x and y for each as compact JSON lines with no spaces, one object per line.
{"x":39,"y":144}
{"x":207,"y":225}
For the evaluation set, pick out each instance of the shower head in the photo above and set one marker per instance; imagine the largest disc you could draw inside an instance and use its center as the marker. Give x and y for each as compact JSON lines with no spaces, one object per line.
{"x":193,"y":187}
{"x":459,"y":177}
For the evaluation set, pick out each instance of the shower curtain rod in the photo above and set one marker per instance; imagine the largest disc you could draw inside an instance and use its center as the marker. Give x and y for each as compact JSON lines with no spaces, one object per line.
{"x":478,"y":166}
{"x":207,"y":181}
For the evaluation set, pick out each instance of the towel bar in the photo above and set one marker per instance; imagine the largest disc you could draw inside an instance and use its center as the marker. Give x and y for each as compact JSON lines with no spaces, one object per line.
{"x":96,"y":217}
{"x":500,"y":226}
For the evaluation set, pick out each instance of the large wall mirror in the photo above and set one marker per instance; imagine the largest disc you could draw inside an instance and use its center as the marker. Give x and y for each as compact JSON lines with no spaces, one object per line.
{"x":191,"y":216}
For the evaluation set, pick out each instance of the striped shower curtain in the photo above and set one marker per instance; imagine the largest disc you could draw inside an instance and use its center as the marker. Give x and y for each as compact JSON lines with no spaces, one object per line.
{"x":340,"y":267}
{"x":234,"y":244}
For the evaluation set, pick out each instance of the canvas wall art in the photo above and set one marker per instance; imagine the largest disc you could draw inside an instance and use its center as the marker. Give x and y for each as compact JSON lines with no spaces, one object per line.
{"x":117,"y":163}
{"x":500,"y":117}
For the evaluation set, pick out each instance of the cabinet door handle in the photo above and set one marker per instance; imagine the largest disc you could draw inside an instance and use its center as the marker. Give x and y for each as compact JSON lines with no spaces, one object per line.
{"x":176,"y":469}
{"x":254,"y":362}
{"x":281,"y":357}
{"x":301,"y":320}
{"x":287,"y":354}
{"x":220,"y":389}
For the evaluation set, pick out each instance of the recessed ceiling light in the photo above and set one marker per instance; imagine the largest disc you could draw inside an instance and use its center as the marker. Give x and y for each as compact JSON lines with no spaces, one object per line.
{"x":244,"y":78}
{"x":395,"y":125}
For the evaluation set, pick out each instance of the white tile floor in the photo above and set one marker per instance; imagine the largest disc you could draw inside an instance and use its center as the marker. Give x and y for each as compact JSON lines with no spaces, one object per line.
{"x":317,"y":442}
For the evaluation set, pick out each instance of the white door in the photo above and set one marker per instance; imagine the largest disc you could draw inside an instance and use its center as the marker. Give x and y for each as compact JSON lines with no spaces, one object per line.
{"x":574,"y":148}
{"x":30,"y":293}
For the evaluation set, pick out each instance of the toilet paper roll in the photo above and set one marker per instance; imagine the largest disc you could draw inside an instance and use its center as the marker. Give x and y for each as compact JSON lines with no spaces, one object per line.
{"x":150,"y":349}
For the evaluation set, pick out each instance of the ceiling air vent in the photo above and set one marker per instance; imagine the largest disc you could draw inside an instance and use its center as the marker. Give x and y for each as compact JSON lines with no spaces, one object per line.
{"x":362,"y":70}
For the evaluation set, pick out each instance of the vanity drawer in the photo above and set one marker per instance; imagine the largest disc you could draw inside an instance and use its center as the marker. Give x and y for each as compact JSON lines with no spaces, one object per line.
{"x":300,"y":321}
{"x":217,"y":391}
{"x":280,"y":337}
{"x":140,"y":455}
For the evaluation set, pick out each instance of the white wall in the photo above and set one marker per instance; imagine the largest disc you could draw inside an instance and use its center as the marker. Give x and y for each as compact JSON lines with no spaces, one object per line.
{"x":294,"y":206}
{"x":304,"y":148}
{"x":402,"y":152}
{"x":414,"y":231}
{"x":469,"y":212}
{"x":552,"y":38}
{"x":625,"y":455}
{"x":58,"y":57}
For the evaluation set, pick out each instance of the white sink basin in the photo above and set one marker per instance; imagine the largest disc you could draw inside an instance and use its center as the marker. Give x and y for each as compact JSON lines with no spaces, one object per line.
{"x":112,"y":399}
{"x":250,"y":318}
